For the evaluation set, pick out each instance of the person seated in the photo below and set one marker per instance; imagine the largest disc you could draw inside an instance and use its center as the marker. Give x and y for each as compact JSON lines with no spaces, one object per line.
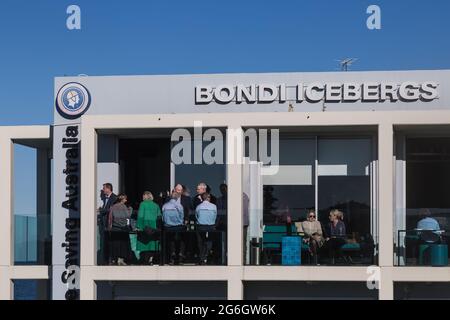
{"x":173,"y":218}
{"x":428,"y":223}
{"x":205,"y":214}
{"x":335,"y":235}
{"x":313,"y":236}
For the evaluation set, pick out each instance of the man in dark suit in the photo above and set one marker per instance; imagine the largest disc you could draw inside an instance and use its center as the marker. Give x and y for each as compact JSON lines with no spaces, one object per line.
{"x":109,"y":198}
{"x":185,"y":201}
{"x":201,"y":189}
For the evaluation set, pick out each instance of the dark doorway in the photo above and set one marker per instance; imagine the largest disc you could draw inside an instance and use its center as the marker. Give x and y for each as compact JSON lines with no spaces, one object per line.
{"x":427,"y":176}
{"x":307,"y":290}
{"x":144,"y":165}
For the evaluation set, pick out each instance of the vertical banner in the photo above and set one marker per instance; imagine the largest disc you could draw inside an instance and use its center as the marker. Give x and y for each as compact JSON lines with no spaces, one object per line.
{"x":72,"y":101}
{"x":66,"y":212}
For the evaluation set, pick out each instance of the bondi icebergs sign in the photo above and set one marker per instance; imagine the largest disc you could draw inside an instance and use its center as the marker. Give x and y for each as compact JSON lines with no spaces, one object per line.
{"x":408,"y":91}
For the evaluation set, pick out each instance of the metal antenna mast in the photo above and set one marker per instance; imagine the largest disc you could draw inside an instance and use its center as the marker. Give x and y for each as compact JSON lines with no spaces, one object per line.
{"x":345,"y":63}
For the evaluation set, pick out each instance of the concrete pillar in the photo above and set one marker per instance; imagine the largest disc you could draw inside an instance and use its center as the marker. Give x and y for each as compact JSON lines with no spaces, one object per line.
{"x":6,"y":285}
{"x":87,"y":285}
{"x":6,"y":199}
{"x":386,"y":284}
{"x":386,"y":194}
{"x":235,"y":288}
{"x":6,"y":215}
{"x":234,"y":158}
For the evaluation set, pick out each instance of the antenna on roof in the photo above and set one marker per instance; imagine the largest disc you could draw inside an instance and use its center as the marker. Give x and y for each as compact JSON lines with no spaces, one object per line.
{"x":345,"y":63}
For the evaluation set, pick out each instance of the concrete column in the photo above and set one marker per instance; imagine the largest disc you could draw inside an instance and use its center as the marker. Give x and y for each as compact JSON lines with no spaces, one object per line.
{"x":235,"y":147}
{"x":6,"y":199}
{"x":386,"y":284}
{"x":88,"y":195}
{"x":235,"y":287}
{"x":386,"y":194}
{"x":6,"y":215}
{"x":87,"y":285}
{"x":6,"y":285}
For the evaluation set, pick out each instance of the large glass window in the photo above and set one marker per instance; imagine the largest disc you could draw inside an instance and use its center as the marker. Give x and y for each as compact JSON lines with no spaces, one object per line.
{"x":32,"y":219}
{"x":161,"y":290}
{"x":423,"y":204}
{"x":344,"y":182}
{"x":291,"y":191}
{"x":300,"y":290}
{"x":421,"y":291}
{"x":30,"y":289}
{"x":159,"y":172}
{"x":316,"y":176}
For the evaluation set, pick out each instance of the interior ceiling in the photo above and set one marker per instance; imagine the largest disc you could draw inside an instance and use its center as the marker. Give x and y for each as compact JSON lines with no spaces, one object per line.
{"x":142,"y":133}
{"x":35,"y":143}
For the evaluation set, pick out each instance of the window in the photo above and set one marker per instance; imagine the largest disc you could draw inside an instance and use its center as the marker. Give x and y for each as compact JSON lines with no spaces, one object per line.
{"x":315,"y":173}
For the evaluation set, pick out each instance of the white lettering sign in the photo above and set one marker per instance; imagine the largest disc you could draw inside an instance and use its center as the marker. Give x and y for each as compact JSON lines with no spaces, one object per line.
{"x":315,"y":92}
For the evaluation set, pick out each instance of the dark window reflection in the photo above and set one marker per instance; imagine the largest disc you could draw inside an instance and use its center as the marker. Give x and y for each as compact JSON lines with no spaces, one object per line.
{"x":427,"y":180}
{"x":31,"y":289}
{"x":351,"y":195}
{"x":281,"y":201}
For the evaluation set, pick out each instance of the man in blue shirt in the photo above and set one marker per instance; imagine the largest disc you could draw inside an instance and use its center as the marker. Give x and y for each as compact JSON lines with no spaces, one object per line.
{"x":205,"y":214}
{"x":173,"y":217}
{"x":428,"y":223}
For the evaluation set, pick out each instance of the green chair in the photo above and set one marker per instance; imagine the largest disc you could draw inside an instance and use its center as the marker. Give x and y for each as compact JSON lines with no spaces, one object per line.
{"x":133,"y":244}
{"x":434,"y":254}
{"x":351,"y":247}
{"x":439,"y":255}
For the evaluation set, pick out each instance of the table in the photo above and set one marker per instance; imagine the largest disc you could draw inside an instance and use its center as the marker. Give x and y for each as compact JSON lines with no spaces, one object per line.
{"x":415,"y":235}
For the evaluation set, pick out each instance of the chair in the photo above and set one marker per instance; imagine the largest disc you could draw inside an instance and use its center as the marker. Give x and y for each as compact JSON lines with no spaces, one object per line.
{"x":431,"y":251}
{"x":439,"y":255}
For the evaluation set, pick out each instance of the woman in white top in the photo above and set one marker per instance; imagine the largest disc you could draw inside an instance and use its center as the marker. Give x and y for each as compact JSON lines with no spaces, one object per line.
{"x":312,"y":230}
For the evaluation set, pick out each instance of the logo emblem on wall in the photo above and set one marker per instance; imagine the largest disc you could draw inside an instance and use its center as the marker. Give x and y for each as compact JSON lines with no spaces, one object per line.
{"x":72,"y":100}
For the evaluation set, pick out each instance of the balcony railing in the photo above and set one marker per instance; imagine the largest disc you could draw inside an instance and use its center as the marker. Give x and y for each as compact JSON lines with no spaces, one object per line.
{"x":32,"y":240}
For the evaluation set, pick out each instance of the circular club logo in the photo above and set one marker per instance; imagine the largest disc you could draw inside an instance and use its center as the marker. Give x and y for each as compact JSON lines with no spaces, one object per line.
{"x":73,"y":100}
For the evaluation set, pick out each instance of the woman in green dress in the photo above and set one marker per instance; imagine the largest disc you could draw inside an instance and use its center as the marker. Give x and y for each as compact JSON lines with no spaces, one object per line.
{"x":148,"y":214}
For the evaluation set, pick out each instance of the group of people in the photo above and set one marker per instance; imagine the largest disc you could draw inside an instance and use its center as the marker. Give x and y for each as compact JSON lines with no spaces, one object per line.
{"x":173,"y":215}
{"x":329,"y":240}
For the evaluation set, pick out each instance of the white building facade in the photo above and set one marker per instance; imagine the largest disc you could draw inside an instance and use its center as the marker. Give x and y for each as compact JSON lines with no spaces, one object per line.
{"x":373,"y":144}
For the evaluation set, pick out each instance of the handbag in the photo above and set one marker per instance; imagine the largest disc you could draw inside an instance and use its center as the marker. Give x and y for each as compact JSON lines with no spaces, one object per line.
{"x":148,"y":234}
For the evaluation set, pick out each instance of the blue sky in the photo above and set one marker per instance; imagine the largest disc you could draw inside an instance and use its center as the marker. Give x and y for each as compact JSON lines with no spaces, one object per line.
{"x":169,"y":37}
